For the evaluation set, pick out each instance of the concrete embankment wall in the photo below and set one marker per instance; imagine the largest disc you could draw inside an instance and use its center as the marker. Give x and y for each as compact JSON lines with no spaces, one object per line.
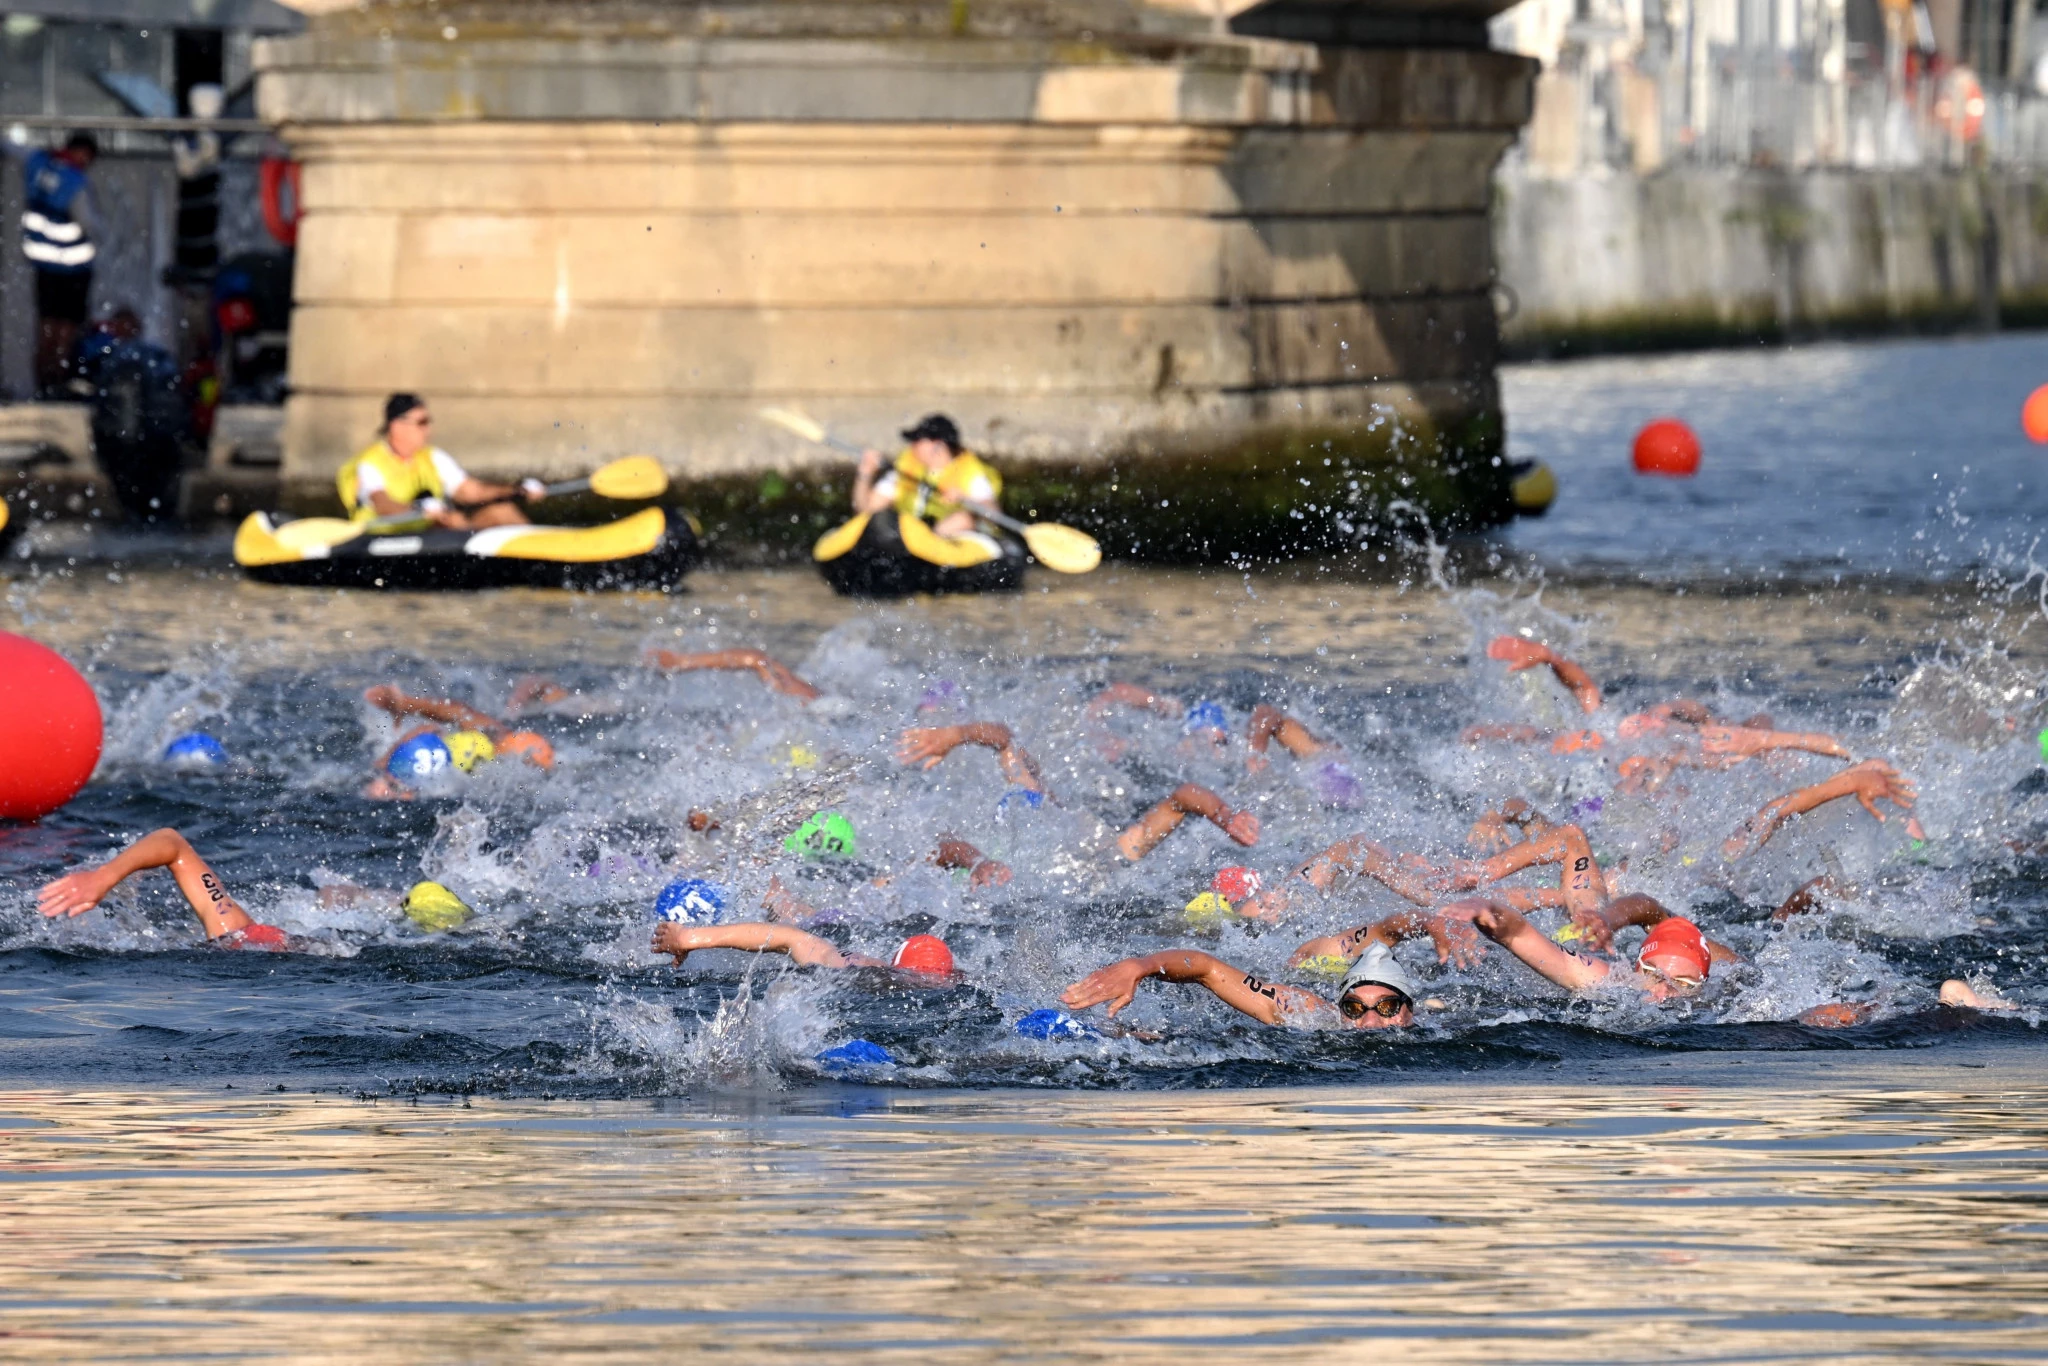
{"x":1615,"y":261}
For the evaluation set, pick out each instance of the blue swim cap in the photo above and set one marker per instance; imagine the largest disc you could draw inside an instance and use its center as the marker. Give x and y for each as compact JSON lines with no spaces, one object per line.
{"x":420,"y":757}
{"x":1054,"y":1024}
{"x":855,"y":1053}
{"x":1019,"y":799}
{"x":1205,"y":715}
{"x":196,"y":749}
{"x":691,"y":901}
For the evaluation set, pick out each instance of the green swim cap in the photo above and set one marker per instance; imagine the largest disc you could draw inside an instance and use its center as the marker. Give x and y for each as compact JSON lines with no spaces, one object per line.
{"x":826,"y":834}
{"x":434,"y":908}
{"x":2042,"y":738}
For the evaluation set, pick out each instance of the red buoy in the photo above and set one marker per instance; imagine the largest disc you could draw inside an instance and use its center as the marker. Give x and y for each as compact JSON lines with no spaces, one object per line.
{"x":2034,"y":415}
{"x":1667,"y":447}
{"x":50,"y":729}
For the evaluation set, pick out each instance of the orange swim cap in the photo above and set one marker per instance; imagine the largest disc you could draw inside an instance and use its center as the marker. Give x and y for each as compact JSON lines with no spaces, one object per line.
{"x":924,"y":953}
{"x":529,"y":747}
{"x":1574,"y":741}
{"x":1676,"y":937}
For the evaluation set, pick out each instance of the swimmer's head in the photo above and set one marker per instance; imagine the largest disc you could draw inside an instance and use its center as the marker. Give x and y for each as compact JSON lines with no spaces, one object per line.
{"x":941,"y":694}
{"x":827,"y":834}
{"x":1205,"y":716}
{"x":1675,"y":951}
{"x":1019,"y":799}
{"x":434,"y":908}
{"x":468,"y":748}
{"x":1054,"y":1024}
{"x":924,"y":953}
{"x":528,"y":746}
{"x":691,"y":901}
{"x":195,"y":749}
{"x":420,"y":757}
{"x":1236,"y":883}
{"x":1208,"y":911}
{"x":1377,"y":993}
{"x":1336,"y":784}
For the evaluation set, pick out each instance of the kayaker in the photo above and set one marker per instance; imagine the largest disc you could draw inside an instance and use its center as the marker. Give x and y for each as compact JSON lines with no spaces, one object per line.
{"x":403,"y":472}
{"x":932,"y":478}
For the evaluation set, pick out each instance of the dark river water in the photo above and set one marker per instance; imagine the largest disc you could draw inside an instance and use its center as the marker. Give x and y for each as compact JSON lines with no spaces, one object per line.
{"x":1858,"y":556}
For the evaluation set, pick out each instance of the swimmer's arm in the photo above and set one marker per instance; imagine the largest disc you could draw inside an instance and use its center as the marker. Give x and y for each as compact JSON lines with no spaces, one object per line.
{"x":1514,"y":733}
{"x":1116,"y":984}
{"x":925,"y":746}
{"x":446,"y":711}
{"x":1867,"y":782}
{"x":1806,"y":898}
{"x":1740,"y":742}
{"x":1269,"y":723}
{"x":76,"y":893}
{"x":1131,"y":695}
{"x":1354,"y":854}
{"x":1507,"y":928}
{"x":771,"y":671}
{"x":1585,"y":889}
{"x":1188,"y":799}
{"x":808,"y":949}
{"x":1513,"y":822}
{"x":982,"y":871}
{"x":1519,"y":654}
{"x":1455,"y":940}
{"x":1644,"y":911}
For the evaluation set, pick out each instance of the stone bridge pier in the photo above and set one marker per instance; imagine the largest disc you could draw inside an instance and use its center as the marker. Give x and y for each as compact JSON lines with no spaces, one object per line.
{"x":1203,"y":282}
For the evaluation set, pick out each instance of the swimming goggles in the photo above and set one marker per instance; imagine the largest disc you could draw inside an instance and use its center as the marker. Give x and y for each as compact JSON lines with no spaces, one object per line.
{"x":1386,"y":1007}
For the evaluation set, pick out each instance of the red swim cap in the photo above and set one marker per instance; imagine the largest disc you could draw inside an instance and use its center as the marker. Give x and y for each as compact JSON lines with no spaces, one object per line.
{"x":253,"y":936}
{"x":1235,"y":883}
{"x":1676,"y":937}
{"x":924,"y":953}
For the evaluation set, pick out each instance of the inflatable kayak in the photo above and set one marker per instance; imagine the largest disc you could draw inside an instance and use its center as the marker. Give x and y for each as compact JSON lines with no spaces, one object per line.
{"x":649,"y":549}
{"x":878,"y":555}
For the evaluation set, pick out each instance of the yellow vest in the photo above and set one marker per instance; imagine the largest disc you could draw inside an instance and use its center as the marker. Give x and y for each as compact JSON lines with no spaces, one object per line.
{"x":919,"y":493}
{"x":406,"y":480}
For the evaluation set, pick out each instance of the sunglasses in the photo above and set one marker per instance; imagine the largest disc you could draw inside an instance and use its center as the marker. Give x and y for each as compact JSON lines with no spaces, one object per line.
{"x":1386,"y":1007}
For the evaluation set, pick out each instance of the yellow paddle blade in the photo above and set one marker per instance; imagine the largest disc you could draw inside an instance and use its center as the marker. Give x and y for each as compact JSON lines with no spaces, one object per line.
{"x":839,"y":539}
{"x":636,"y":476}
{"x":3,"y":515}
{"x":1062,"y":548}
{"x":317,"y":533}
{"x":792,"y":421}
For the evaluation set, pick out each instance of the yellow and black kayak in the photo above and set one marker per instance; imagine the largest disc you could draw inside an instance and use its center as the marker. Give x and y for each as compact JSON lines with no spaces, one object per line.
{"x":650,"y":549}
{"x":879,"y":555}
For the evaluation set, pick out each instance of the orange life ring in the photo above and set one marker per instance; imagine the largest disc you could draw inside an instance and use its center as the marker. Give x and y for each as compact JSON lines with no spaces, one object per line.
{"x":278,"y":177}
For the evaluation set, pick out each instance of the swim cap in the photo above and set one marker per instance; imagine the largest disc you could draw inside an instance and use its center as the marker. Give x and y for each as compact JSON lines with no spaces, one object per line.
{"x":1378,"y":968}
{"x":620,"y":865}
{"x":195,"y":749}
{"x":924,"y":953}
{"x":1325,"y":965}
{"x":2042,"y":739}
{"x":1676,"y":937}
{"x":942,"y":694}
{"x":468,"y":748}
{"x":434,"y":908}
{"x":1208,"y":911}
{"x":1236,"y":883}
{"x":420,"y":757}
{"x":802,"y":756}
{"x":1567,"y":933}
{"x":826,"y":833}
{"x":1020,"y":799}
{"x":1054,"y":1024}
{"x":855,"y":1053}
{"x":253,"y":936}
{"x":1204,"y":715}
{"x":530,"y":747}
{"x":1337,"y":785}
{"x":691,"y":901}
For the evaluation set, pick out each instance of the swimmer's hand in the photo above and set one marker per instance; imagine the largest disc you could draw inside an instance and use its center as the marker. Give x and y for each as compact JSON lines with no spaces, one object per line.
{"x":1114,"y":985}
{"x":1243,"y":827}
{"x":1519,"y":654}
{"x":1456,"y":938}
{"x":1869,"y":782}
{"x":925,"y":746}
{"x":680,"y":940}
{"x":76,"y":893}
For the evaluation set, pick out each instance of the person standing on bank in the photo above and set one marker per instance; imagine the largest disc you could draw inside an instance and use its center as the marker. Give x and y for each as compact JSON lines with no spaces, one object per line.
{"x":404,"y":472}
{"x":933,"y":478}
{"x":60,"y":234}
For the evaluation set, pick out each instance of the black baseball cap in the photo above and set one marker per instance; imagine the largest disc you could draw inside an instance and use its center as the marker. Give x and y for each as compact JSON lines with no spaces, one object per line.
{"x":934,"y":427}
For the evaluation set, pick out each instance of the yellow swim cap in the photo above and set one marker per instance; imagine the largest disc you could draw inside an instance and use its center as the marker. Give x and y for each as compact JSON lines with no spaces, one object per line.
{"x":1325,"y":965}
{"x":1208,"y":911}
{"x":434,"y":908}
{"x":1568,"y":933}
{"x":468,"y":748}
{"x":802,"y":756}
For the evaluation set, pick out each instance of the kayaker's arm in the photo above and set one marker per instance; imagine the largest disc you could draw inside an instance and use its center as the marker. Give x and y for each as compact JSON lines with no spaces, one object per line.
{"x":866,"y":497}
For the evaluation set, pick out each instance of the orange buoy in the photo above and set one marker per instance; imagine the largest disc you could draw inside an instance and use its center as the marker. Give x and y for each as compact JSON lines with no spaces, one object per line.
{"x":2034,"y":415}
{"x":1667,"y":447}
{"x":50,"y":729}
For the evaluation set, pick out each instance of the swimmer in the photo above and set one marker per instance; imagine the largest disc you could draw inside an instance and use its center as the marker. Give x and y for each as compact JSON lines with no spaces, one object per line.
{"x":1673,"y":961}
{"x":774,"y":674}
{"x":1519,"y":654}
{"x":505,"y":738}
{"x":1207,"y":721}
{"x":1189,"y":799}
{"x":922,"y":954}
{"x":982,"y":871}
{"x":1376,"y":993}
{"x":926,"y":746}
{"x":224,"y":921}
{"x":1868,"y":782}
{"x":1807,"y":899}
